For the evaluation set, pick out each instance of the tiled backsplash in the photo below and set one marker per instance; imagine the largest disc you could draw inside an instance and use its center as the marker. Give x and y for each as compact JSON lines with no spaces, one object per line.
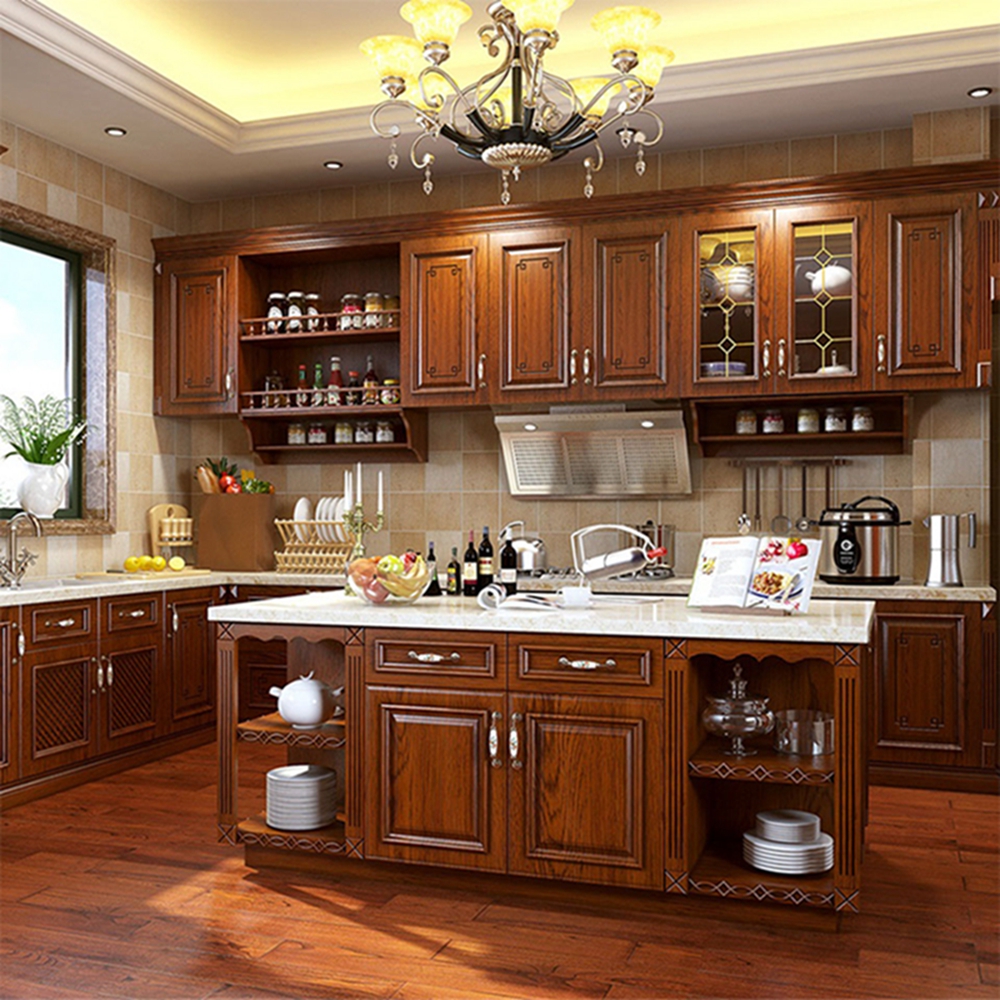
{"x":462,"y":486}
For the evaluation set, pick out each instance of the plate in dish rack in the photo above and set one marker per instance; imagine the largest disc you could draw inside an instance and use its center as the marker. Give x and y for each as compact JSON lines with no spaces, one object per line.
{"x":303,"y":512}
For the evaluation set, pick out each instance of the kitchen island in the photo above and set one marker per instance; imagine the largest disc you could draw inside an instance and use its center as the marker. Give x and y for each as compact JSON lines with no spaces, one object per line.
{"x":557,"y":744}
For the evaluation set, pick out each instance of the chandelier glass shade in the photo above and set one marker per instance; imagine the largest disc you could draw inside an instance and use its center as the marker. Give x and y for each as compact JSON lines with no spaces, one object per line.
{"x":518,"y":115}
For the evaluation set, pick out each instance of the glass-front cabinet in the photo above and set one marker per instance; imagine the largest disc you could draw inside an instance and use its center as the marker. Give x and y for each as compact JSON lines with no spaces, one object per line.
{"x":727,"y":273}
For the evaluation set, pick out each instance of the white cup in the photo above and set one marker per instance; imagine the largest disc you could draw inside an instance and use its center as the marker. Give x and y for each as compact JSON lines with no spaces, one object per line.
{"x":576,"y":597}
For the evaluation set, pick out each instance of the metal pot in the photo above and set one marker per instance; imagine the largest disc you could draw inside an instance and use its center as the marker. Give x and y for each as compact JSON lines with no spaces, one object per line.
{"x":860,"y":545}
{"x":530,"y":549}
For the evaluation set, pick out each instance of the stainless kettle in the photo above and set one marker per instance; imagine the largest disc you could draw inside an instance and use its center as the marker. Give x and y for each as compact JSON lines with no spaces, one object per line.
{"x":943,"y":568}
{"x":530,"y":549}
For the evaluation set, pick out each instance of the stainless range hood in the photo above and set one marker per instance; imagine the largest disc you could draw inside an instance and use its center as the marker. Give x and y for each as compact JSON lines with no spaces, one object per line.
{"x":595,"y":453}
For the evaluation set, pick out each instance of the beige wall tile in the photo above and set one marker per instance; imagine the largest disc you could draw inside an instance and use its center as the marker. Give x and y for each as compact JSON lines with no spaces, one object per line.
{"x":479,"y":432}
{"x":480,"y":189}
{"x":724,"y":164}
{"x":336,"y":203}
{"x":32,"y":193}
{"x":62,"y":203}
{"x":46,"y":160}
{"x":407,"y":197}
{"x":813,"y":156}
{"x":206,"y":217}
{"x":183,"y":216}
{"x":995,"y":137}
{"x":89,"y":214}
{"x":140,"y":237}
{"x":481,"y":471}
{"x":629,"y":182}
{"x":566,"y":180}
{"x":8,"y":183}
{"x":444,"y":430}
{"x":680,"y":169}
{"x":286,"y":209}
{"x":89,"y":178}
{"x":8,"y":138}
{"x":951,"y":136}
{"x":765,"y":160}
{"x":859,"y":151}
{"x":238,"y":213}
{"x":116,"y":189}
{"x":371,"y":200}
{"x":897,"y":148}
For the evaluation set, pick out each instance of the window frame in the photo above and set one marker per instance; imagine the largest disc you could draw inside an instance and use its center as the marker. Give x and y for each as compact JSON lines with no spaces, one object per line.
{"x":96,"y":369}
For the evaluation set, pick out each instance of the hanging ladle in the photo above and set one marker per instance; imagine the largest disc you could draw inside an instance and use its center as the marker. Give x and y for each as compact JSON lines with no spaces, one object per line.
{"x":802,"y":524}
{"x":743,"y":521}
{"x":781,"y":523}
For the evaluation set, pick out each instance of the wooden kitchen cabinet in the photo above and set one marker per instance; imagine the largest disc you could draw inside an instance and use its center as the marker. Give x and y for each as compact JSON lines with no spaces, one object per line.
{"x":195,"y":369}
{"x":10,"y":714}
{"x":926,"y":307}
{"x":190,"y":654}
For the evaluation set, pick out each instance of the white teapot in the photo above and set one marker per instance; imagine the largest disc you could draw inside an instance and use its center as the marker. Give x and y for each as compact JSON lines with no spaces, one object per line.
{"x":833,"y":279}
{"x":306,"y":703}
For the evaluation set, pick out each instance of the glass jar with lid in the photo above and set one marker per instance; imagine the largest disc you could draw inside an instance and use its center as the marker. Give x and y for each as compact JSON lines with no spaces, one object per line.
{"x":343,"y":432}
{"x":389,"y":395}
{"x":808,"y":421}
{"x":317,"y":434}
{"x":274,"y":385}
{"x":352,"y":307}
{"x":295,"y":311}
{"x":862,"y":419}
{"x":313,"y":309}
{"x":276,"y":305}
{"x":746,"y":422}
{"x":296,"y":434}
{"x":774,"y":422}
{"x":390,"y":314}
{"x":364,"y":432}
{"x":834,"y":420}
{"x":373,"y":310}
{"x":384,"y":433}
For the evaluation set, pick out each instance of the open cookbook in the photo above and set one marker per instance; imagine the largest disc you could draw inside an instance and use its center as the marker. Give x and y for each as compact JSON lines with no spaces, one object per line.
{"x":744,"y":571}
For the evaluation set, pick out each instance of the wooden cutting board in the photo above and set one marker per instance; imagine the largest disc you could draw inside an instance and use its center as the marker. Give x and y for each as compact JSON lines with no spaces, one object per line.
{"x":152,"y":574}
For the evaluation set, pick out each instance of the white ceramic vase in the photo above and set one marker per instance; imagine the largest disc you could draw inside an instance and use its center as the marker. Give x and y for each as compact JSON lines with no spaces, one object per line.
{"x":42,"y":491}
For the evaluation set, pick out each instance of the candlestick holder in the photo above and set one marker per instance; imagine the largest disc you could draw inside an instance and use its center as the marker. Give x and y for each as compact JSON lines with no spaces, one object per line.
{"x":357,"y":527}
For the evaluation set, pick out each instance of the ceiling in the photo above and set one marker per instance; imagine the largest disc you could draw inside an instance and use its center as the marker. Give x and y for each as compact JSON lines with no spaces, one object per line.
{"x":227,"y":98}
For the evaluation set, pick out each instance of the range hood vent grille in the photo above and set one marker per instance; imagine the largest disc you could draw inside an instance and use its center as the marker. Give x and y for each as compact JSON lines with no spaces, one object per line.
{"x":599,"y":454}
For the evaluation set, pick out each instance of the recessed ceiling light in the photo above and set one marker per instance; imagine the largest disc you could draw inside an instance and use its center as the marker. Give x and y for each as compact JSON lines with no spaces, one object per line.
{"x":646,"y":423}
{"x":531,"y":427}
{"x":116,"y":130}
{"x":333,"y":165}
{"x":980,"y":92}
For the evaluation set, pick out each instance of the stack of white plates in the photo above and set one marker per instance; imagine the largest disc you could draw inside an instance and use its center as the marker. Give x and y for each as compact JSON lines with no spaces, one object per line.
{"x":788,"y":842}
{"x":301,"y":797}
{"x":331,"y":509}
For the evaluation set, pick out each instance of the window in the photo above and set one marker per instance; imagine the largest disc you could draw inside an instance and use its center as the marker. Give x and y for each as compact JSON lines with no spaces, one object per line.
{"x":57,"y":337}
{"x":39,"y":342}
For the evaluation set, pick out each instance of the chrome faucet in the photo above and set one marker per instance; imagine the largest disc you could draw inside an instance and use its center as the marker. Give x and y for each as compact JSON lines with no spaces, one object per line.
{"x":14,"y":566}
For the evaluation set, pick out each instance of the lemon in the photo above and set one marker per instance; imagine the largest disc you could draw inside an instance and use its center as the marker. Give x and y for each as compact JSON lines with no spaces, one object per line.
{"x":131,"y":564}
{"x":159,"y":563}
{"x":145,"y":563}
{"x":176,"y":563}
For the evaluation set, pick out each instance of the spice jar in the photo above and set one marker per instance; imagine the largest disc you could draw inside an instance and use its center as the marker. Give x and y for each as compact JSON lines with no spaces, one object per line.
{"x":276,"y":311}
{"x":862,"y":419}
{"x":384,"y":434}
{"x":364,"y":432}
{"x":808,"y":421}
{"x":746,"y":422}
{"x":774,"y":422}
{"x":373,"y":310}
{"x":343,"y":432}
{"x":390,"y":306}
{"x":296,"y":309}
{"x":296,"y":434}
{"x":835,"y":420}
{"x":389,"y":395}
{"x":317,"y":434}
{"x":351,"y":312}
{"x":273,"y":384}
{"x":312,"y":310}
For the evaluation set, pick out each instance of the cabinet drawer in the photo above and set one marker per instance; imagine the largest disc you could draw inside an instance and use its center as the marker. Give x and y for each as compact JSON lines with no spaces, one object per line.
{"x":129,"y":614}
{"x":67,"y":621}
{"x":593,"y":663}
{"x":472,"y":658}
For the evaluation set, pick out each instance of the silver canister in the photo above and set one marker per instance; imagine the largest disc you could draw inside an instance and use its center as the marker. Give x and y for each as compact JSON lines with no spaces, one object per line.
{"x":943,"y":569}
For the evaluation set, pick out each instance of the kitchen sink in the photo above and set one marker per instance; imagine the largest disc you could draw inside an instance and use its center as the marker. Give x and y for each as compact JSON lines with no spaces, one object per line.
{"x":49,"y":583}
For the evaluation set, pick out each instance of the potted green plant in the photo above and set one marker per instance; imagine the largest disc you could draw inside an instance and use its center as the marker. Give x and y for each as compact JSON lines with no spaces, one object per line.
{"x":41,"y":433}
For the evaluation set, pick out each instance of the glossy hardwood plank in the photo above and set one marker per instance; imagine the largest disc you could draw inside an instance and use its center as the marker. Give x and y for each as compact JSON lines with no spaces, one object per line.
{"x":119,"y":889}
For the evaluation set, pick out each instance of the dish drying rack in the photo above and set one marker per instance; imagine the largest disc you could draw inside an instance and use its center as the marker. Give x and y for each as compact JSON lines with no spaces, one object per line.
{"x":307,"y":549}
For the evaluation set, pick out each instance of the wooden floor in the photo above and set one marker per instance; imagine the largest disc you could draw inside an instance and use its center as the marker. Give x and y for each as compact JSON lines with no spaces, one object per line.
{"x":118,"y":889}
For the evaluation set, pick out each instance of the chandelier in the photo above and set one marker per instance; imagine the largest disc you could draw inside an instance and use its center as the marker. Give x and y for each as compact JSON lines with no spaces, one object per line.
{"x":518,"y":115}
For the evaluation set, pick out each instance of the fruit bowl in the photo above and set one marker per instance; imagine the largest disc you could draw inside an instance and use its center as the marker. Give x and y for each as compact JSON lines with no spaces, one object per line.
{"x":389,"y":579}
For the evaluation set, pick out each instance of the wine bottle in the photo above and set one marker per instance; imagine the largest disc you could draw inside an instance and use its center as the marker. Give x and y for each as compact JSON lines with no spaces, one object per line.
{"x":485,"y":569}
{"x":454,"y":572}
{"x":470,"y":568}
{"x":434,"y":588}
{"x":508,"y":566}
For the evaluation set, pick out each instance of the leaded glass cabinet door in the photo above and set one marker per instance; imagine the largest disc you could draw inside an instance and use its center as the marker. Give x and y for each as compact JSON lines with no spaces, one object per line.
{"x":728,"y":278}
{"x":823,"y":313}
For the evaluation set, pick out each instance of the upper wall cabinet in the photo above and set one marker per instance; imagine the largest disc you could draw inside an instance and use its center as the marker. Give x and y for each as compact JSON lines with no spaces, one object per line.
{"x":926,"y":297}
{"x":195,"y":370}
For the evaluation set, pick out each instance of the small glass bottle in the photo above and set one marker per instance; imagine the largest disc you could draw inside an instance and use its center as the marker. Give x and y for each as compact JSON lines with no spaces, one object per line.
{"x":335,"y":384}
{"x":296,"y":434}
{"x":390,"y":310}
{"x":808,"y":421}
{"x":352,"y":397}
{"x":317,"y":434}
{"x":384,"y":434}
{"x":835,"y":420}
{"x":364,"y":432}
{"x":312,"y":310}
{"x":371,"y":387}
{"x":774,"y":422}
{"x":746,"y":422}
{"x":454,"y":572}
{"x":351,"y":309}
{"x":276,"y":304}
{"x":319,"y":390}
{"x":274,"y":397}
{"x":302,"y":394}
{"x":296,"y":308}
{"x":343,"y":432}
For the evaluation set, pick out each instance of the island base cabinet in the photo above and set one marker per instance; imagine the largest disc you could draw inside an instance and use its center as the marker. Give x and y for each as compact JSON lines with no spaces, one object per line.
{"x":435,"y":794}
{"x":586,"y":789}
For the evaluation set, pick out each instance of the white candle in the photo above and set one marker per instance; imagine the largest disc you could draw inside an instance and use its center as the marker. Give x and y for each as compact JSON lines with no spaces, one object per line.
{"x":347,"y":491}
{"x":381,"y":508}
{"x":358,"y":476}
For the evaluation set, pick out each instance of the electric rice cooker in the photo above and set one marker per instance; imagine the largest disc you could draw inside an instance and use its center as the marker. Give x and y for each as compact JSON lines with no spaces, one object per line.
{"x":860,"y":543}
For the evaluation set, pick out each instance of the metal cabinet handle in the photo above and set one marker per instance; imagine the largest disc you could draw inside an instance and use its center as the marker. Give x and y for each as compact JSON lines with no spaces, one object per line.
{"x":175,"y":621}
{"x":781,"y":359}
{"x":109,"y":670}
{"x":587,"y":664}
{"x":21,"y":644}
{"x":100,"y":673}
{"x":481,"y":371}
{"x":880,"y":352}
{"x":230,"y":377}
{"x":514,"y":742}
{"x":433,"y":657}
{"x":586,"y":366}
{"x":765,"y":358}
{"x":572,"y":365}
{"x":61,"y":623}
{"x":135,"y":613}
{"x":494,"y":740}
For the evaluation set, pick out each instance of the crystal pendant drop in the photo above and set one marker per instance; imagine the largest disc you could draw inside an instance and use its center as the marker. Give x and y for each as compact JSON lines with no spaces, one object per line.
{"x":517,"y":173}
{"x":625,"y":134}
{"x":640,"y":162}
{"x":428,"y":183}
{"x":393,"y":156}
{"x":505,"y":190}
{"x":588,"y":188}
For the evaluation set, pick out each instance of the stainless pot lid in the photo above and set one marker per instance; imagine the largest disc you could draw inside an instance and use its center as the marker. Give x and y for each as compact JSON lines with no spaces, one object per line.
{"x":853,"y":513}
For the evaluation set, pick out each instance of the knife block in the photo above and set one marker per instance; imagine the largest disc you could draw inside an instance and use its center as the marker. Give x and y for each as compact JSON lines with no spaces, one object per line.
{"x":235,"y":530}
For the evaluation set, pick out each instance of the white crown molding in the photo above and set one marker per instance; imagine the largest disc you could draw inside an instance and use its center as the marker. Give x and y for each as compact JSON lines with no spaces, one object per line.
{"x":66,"y":41}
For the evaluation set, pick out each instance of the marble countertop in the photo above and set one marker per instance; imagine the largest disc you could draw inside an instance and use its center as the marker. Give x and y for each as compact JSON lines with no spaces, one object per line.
{"x":44,"y":590}
{"x":666,"y":617}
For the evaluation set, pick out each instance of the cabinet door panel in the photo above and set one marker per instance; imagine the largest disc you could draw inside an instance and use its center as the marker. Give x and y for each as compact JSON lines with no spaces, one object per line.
{"x":195,"y":371}
{"x":129,"y":697}
{"x":587,"y":804}
{"x":531,"y":288}
{"x":59,"y":687}
{"x":442,"y":335}
{"x":922,"y":693}
{"x":433,"y":796}
{"x":10,"y":751}
{"x":191,"y":659}
{"x":625,"y":291}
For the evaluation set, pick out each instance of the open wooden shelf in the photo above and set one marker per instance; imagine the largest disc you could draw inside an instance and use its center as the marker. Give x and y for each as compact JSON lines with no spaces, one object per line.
{"x":272,"y":730}
{"x":767,"y":765}
{"x":721,"y":871}
{"x":326,"y":840}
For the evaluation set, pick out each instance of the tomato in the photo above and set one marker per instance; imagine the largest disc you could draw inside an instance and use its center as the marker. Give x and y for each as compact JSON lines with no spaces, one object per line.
{"x":234,"y":487}
{"x":225,"y":481}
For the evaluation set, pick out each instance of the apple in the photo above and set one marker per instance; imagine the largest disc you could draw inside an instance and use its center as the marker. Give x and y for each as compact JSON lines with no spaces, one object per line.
{"x":795,"y":548}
